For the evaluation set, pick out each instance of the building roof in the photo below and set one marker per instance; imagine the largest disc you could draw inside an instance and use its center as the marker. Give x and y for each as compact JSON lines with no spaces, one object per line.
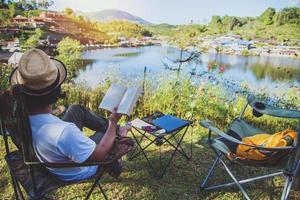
{"x":20,"y":17}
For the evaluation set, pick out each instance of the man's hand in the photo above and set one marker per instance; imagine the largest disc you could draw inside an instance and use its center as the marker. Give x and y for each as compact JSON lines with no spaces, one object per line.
{"x":114,"y":116}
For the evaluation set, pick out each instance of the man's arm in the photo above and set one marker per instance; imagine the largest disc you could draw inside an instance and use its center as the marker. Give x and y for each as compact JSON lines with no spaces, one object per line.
{"x":104,"y":147}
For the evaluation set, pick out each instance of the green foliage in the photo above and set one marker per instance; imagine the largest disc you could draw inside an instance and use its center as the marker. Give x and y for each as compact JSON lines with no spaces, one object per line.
{"x":33,"y":41}
{"x":122,"y":28}
{"x":108,"y":32}
{"x":4,"y":74}
{"x":283,"y":26}
{"x":219,"y":49}
{"x":5,"y":17}
{"x":145,"y":32}
{"x":216,"y":20}
{"x":69,"y":52}
{"x":162,"y":29}
{"x":288,"y":16}
{"x":229,"y":23}
{"x":184,"y":99}
{"x":245,"y":52}
{"x":267,"y":16}
{"x":68,"y":11}
{"x":33,"y":13}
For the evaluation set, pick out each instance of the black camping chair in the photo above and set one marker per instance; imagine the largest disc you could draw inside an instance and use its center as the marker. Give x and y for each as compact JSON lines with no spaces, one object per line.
{"x":284,"y":159}
{"x":25,"y":169}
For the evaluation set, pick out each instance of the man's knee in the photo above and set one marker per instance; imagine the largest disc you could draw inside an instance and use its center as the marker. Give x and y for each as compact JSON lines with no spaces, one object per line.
{"x":76,"y":108}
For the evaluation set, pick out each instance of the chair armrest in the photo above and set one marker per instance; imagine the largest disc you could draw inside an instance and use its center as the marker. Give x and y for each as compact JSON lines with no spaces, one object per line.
{"x":272,"y":110}
{"x":209,"y":125}
{"x":69,"y":165}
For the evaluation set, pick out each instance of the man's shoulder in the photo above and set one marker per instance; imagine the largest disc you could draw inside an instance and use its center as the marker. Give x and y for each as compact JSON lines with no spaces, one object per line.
{"x":50,"y":123}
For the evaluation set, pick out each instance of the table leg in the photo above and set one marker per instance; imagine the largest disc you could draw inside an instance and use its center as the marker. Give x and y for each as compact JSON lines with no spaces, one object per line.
{"x":163,"y":171}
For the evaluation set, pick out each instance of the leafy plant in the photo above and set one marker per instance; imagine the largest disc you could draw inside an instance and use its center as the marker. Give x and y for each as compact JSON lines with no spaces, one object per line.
{"x":69,"y":52}
{"x":5,"y":71}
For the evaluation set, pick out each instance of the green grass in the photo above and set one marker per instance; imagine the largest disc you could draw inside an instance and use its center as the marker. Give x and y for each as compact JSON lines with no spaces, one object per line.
{"x":180,"y":182}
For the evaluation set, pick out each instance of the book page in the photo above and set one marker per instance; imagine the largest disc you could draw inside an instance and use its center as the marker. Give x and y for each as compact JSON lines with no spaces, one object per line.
{"x":129,"y":100}
{"x":138,"y":123}
{"x":113,"y":97}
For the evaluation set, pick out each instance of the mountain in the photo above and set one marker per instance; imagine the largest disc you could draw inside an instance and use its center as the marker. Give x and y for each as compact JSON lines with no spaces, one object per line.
{"x":113,"y":14}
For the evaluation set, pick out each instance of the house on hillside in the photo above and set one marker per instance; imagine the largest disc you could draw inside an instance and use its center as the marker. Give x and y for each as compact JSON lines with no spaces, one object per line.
{"x":51,"y":16}
{"x":21,"y":20}
{"x":38,"y":22}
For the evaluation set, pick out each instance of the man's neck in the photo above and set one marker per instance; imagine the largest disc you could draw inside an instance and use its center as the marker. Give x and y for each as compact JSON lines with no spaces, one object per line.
{"x":43,"y":110}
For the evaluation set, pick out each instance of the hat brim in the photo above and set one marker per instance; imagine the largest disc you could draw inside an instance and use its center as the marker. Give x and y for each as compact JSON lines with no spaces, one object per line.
{"x":13,"y":79}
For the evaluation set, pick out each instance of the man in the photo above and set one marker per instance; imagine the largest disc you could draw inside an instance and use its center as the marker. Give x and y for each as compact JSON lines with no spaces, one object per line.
{"x":56,"y":140}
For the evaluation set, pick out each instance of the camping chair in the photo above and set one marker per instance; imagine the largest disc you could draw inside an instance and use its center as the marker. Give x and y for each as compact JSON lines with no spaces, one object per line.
{"x":284,"y":159}
{"x":25,"y":169}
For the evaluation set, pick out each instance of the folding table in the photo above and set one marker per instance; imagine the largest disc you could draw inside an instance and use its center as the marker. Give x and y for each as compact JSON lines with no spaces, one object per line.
{"x":169,"y":128}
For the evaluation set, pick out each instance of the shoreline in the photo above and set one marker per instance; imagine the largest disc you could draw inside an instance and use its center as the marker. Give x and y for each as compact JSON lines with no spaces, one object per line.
{"x":5,"y":55}
{"x":206,"y":52}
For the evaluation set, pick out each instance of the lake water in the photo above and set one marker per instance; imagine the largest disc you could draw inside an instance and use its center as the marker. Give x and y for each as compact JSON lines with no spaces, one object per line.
{"x":271,"y":74}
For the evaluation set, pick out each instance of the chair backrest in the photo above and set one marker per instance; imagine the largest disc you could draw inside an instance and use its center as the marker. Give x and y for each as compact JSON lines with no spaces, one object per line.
{"x":262,"y":108}
{"x":16,"y":122}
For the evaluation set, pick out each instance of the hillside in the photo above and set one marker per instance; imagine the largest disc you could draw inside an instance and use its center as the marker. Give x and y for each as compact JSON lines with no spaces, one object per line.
{"x":113,"y":14}
{"x":282,"y":26}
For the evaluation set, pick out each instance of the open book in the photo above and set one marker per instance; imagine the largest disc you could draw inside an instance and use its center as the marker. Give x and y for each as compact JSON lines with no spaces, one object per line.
{"x":122,"y":97}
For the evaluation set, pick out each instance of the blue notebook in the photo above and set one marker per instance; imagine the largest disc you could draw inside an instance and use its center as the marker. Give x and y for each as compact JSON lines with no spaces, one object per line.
{"x":169,"y":123}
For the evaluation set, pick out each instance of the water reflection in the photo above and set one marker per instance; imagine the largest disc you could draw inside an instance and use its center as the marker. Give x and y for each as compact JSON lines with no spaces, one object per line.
{"x":254,"y":71}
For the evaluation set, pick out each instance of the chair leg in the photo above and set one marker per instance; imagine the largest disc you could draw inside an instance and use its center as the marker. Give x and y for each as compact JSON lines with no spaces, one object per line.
{"x":211,"y":170}
{"x":16,"y":187}
{"x":287,"y":188}
{"x":235,"y":180}
{"x":102,"y":191}
{"x":92,"y":189}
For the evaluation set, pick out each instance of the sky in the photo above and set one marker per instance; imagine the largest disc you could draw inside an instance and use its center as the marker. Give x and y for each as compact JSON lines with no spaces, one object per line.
{"x":177,"y":11}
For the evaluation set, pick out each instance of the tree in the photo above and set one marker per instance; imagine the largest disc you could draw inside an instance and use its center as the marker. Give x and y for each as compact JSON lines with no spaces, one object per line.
{"x":69,"y":52}
{"x":68,"y":11}
{"x":12,"y":9}
{"x":267,"y":16}
{"x":288,"y":16}
{"x":216,"y":24}
{"x":145,"y":32}
{"x":33,"y":41}
{"x":216,"y":20}
{"x":229,"y":22}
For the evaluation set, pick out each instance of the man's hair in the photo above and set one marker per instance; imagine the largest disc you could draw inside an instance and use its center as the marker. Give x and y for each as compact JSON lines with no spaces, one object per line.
{"x":35,"y":102}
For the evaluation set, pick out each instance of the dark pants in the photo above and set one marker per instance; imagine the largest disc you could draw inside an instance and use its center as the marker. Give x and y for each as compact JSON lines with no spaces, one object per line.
{"x":82,"y":117}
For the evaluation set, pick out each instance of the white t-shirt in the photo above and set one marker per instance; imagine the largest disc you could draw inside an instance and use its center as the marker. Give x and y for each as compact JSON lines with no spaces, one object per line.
{"x":58,"y":141}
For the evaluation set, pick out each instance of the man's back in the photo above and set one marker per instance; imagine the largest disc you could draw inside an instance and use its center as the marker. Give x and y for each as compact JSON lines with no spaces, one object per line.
{"x":57,"y":141}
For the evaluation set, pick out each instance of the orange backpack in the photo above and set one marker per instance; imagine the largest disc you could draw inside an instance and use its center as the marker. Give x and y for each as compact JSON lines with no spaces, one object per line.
{"x":280,"y":139}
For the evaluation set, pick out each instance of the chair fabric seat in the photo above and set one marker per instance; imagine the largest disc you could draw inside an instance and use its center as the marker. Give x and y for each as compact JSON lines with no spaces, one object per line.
{"x":45,"y":180}
{"x":240,"y":129}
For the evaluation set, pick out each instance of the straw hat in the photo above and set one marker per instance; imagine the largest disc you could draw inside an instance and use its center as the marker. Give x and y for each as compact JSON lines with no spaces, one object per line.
{"x":37,"y":73}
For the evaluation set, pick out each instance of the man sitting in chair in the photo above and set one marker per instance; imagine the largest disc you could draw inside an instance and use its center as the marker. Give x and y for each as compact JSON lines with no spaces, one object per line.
{"x":56,"y":140}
